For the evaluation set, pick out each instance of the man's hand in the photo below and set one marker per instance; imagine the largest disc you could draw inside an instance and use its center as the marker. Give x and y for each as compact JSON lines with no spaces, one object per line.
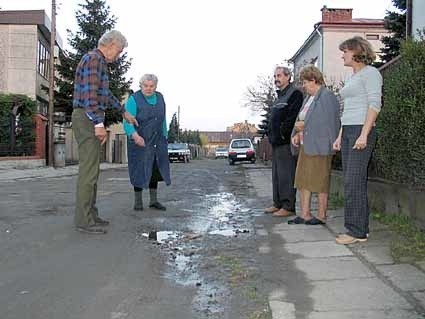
{"x":138,"y":139}
{"x":130,"y":118}
{"x":100,"y":133}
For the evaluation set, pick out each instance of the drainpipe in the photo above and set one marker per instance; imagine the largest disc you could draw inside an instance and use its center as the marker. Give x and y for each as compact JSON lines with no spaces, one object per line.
{"x":320,"y":49}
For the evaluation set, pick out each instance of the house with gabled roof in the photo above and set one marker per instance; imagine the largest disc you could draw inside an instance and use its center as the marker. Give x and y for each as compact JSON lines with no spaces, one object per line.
{"x":321,"y":46}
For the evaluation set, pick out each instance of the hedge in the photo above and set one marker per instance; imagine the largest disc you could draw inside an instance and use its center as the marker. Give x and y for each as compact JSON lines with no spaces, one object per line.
{"x":400,"y":152}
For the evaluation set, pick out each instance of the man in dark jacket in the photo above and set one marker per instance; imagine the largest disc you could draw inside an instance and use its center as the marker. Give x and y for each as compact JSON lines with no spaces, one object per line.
{"x":281,"y":122}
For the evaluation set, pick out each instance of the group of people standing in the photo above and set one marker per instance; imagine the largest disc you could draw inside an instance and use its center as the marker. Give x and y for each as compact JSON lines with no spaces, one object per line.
{"x":306,"y":133}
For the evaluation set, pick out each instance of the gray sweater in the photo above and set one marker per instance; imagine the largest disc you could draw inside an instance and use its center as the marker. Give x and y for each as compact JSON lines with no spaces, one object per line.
{"x":363,"y":90}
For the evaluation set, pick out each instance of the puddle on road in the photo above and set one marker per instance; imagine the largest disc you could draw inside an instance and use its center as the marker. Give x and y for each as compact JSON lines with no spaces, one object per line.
{"x":161,"y":237}
{"x":219,"y":214}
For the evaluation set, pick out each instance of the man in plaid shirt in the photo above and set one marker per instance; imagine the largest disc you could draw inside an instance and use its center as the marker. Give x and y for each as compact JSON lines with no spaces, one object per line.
{"x":91,"y":97}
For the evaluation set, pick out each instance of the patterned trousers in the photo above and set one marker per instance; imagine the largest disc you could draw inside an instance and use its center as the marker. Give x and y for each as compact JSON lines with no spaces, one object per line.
{"x":354,"y":165}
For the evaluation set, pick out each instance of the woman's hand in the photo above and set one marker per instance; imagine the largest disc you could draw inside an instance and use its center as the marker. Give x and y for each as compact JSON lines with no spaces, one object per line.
{"x":130,"y":118}
{"x":295,"y":140}
{"x":361,"y":142}
{"x":138,"y":139}
{"x":299,"y":126}
{"x":337,"y":144}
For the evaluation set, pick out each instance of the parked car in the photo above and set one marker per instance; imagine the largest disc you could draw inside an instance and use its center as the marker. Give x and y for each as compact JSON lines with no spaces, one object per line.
{"x":221,"y":152}
{"x":241,"y":149}
{"x":178,"y":152}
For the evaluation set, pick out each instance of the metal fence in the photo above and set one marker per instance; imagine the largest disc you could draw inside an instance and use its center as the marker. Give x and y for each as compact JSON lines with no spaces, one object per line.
{"x":16,"y":140}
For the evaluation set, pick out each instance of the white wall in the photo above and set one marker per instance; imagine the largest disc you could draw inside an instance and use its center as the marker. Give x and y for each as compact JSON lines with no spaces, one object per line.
{"x":418,"y":16}
{"x":333,"y":67}
{"x":310,"y":52}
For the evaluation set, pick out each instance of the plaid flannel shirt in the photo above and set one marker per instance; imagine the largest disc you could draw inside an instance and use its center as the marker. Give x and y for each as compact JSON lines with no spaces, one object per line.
{"x":91,"y":87}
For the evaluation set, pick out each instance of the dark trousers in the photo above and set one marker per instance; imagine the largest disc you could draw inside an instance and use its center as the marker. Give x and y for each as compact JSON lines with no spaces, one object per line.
{"x":88,"y":170}
{"x":354,"y":165}
{"x":283,"y":175}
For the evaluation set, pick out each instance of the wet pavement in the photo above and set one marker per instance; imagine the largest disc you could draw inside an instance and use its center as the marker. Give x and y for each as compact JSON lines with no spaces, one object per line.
{"x":212,"y":254}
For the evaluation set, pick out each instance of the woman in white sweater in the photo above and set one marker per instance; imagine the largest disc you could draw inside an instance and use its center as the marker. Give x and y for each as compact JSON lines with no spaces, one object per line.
{"x":361,"y":94}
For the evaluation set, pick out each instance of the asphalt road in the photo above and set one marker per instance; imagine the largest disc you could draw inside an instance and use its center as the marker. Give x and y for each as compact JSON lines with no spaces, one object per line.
{"x":204,"y":263}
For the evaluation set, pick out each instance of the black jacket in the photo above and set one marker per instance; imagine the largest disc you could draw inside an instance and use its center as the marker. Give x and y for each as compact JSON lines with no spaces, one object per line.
{"x":283,"y":115}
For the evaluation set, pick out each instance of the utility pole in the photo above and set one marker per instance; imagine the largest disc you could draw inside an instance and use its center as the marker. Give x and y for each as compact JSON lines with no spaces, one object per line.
{"x":409,"y":13}
{"x":51,"y":83}
{"x":178,"y":123}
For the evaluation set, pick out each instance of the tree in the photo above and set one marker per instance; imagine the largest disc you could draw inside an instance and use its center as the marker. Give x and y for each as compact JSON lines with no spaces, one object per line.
{"x":191,"y":137}
{"x":262,"y":95}
{"x":173,"y":131}
{"x":264,"y":125}
{"x":94,"y":19}
{"x":261,"y":98}
{"x":396,"y":23}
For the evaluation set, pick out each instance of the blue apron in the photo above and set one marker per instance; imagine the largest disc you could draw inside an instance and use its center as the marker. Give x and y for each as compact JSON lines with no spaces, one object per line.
{"x":141,"y":159}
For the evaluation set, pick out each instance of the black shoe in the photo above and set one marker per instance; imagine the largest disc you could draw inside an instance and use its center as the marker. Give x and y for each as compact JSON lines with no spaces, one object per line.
{"x":158,"y":205}
{"x":100,"y":222}
{"x":314,"y":221}
{"x":297,"y":220}
{"x":91,"y":230}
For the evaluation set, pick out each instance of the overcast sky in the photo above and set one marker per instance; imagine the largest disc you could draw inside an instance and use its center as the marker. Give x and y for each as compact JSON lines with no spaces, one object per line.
{"x":207,"y":52}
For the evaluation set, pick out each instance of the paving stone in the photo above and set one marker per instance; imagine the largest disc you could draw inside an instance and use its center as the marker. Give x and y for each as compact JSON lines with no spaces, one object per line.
{"x":336,"y":224}
{"x":379,"y":255}
{"x":282,"y":309}
{"x":355,"y":295}
{"x":404,"y":276}
{"x":333,"y":268}
{"x":381,"y":238}
{"x":284,"y":226}
{"x":420,"y":297}
{"x":314,"y":233}
{"x":376,"y":314}
{"x":319,"y":249}
{"x":262,"y":232}
{"x":264,"y":249}
{"x":421,"y":265}
{"x":336,"y":213}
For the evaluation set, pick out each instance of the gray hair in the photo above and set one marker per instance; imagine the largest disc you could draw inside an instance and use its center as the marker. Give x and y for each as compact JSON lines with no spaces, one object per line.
{"x":149,"y":77}
{"x":113,"y":36}
{"x":285,"y":70}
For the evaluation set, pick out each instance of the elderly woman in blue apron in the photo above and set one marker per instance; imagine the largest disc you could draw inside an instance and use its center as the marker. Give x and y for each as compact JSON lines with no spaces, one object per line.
{"x":147,"y":149}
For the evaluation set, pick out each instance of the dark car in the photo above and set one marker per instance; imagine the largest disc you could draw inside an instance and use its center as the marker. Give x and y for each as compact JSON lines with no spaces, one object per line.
{"x":178,"y":152}
{"x":241,"y":149}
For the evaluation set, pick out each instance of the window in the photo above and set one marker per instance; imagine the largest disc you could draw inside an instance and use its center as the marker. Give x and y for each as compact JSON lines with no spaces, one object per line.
{"x":372,"y":36}
{"x":43,"y":57}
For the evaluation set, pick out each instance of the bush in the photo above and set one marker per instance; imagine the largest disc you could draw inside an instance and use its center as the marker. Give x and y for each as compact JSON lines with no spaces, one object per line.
{"x":400,"y":151}
{"x":24,"y":130}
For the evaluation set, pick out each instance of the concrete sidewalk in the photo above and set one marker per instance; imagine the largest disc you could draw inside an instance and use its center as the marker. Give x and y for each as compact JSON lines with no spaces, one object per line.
{"x":10,"y":175}
{"x":355,"y":281}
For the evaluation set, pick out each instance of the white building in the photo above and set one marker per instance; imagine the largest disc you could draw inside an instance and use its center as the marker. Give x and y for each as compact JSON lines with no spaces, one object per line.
{"x":321,"y":46}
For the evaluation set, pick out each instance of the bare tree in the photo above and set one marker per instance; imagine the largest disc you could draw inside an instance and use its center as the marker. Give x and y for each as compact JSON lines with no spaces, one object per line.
{"x":261,"y":96}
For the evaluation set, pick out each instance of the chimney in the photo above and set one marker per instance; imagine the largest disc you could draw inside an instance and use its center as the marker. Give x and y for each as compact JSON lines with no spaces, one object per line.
{"x":331,"y":15}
